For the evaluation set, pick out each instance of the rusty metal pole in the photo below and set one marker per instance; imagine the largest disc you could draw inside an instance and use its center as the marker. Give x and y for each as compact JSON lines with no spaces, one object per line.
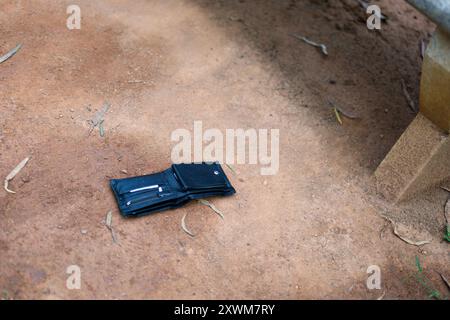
{"x":437,"y":10}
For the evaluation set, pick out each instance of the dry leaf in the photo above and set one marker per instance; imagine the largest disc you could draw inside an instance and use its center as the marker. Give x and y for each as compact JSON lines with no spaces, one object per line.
{"x":212,"y":206}
{"x":14,"y":172}
{"x":183,"y":226}
{"x":409,"y":234}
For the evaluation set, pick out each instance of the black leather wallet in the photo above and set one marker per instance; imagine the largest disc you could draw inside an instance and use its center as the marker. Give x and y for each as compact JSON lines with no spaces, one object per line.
{"x":170,"y":189}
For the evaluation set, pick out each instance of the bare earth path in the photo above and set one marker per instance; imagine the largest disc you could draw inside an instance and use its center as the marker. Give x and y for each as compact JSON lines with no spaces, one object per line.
{"x":310,"y":231}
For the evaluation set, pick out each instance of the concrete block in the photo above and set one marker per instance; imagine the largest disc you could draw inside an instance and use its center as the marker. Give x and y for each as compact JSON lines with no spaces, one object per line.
{"x":435,"y":82}
{"x":419,"y":160}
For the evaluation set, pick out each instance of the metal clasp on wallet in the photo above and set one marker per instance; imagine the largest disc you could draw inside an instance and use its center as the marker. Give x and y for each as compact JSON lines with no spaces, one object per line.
{"x":146,"y":188}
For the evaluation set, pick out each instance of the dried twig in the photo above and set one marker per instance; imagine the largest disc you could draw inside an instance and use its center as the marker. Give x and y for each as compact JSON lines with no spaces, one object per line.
{"x":212,"y":206}
{"x":108,"y":223}
{"x":10,"y":54}
{"x":322,"y":47}
{"x":411,"y":103}
{"x":183,"y":226}
{"x":14,"y":172}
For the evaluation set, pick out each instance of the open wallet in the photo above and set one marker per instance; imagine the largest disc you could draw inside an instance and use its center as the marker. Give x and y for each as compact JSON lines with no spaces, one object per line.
{"x":170,"y":189}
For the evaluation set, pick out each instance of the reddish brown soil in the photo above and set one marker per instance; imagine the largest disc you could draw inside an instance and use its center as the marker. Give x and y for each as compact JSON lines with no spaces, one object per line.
{"x":309,"y":232}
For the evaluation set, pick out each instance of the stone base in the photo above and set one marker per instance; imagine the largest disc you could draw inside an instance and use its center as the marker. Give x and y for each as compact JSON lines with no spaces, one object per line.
{"x":419,"y":160}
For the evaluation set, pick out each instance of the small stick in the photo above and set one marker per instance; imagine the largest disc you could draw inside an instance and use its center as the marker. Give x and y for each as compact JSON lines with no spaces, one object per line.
{"x":183,"y":226}
{"x":10,"y":54}
{"x":411,"y":103}
{"x":312,"y":43}
{"x":13,"y":173}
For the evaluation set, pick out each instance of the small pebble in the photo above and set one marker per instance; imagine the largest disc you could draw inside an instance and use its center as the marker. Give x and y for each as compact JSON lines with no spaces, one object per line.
{"x":84,"y":232}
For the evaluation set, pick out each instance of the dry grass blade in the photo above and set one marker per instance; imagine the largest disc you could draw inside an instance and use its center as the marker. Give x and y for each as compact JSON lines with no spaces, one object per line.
{"x":382,"y":296}
{"x":14,"y":172}
{"x":101,"y":129}
{"x":183,"y":226}
{"x":212,"y":206}
{"x":108,"y":223}
{"x":338,"y":116}
{"x":109,"y":220}
{"x":411,"y":103}
{"x":343,"y":112}
{"x":231,"y":168}
{"x":322,"y":47}
{"x":113,"y":235}
{"x":10,"y":54}
{"x":446,"y":189}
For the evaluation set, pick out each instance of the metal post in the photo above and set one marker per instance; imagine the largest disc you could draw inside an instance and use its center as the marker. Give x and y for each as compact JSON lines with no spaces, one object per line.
{"x":437,"y":10}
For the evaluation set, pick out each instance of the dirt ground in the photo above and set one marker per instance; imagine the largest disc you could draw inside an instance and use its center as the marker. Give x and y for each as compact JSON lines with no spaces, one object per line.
{"x":311,"y":231}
